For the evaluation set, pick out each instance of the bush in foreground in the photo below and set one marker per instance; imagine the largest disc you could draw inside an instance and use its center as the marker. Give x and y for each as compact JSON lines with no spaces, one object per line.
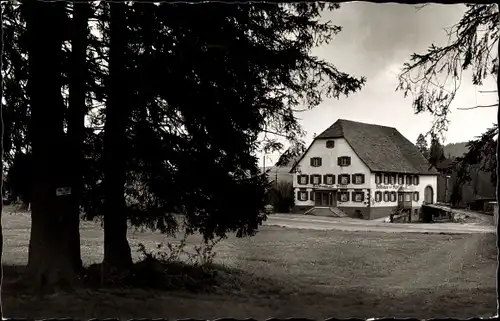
{"x":170,"y":267}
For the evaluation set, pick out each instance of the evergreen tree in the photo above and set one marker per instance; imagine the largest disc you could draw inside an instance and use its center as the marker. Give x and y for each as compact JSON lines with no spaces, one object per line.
{"x":436,"y":152}
{"x":116,"y":248}
{"x":182,"y":106}
{"x":52,"y":260}
{"x":422,"y":146}
{"x":474,"y":43}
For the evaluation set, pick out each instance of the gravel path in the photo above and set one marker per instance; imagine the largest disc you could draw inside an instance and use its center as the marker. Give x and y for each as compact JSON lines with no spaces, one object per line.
{"x":350,"y":224}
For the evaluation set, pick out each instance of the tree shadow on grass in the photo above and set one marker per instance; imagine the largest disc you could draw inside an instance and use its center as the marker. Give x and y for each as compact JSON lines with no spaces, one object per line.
{"x":239,"y":294}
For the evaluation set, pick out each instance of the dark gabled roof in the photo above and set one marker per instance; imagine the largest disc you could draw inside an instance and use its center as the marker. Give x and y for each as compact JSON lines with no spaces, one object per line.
{"x":381,"y":148}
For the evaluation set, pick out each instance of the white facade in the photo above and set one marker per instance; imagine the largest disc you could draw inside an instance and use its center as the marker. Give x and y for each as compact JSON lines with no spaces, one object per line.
{"x":330,"y":165}
{"x":423,"y":182}
{"x":329,"y":159}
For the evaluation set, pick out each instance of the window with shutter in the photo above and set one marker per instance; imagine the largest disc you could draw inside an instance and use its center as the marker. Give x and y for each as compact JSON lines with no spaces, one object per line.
{"x":407,"y":197}
{"x":378,"y":178}
{"x":401,"y":180}
{"x":316,"y":161}
{"x":303,"y":195}
{"x":344,"y":161}
{"x":357,"y":196}
{"x":329,"y":179}
{"x":386,"y":196}
{"x":415,"y":196}
{"x":400,"y":197}
{"x":393,"y":196}
{"x":358,"y":179}
{"x":415,"y":180}
{"x":344,"y":196}
{"x":378,"y":196}
{"x":344,"y":179}
{"x":386,"y":179}
{"x":302,"y":179}
{"x":408,"y":180}
{"x":316,"y":179}
{"x":393,"y":179}
{"x":330,"y":144}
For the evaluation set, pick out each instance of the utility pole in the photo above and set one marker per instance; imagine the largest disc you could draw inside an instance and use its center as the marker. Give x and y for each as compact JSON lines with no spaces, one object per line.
{"x":447,"y":177}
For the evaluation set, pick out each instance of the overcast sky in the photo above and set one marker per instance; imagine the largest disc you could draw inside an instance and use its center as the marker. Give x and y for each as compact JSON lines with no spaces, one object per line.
{"x":375,"y":42}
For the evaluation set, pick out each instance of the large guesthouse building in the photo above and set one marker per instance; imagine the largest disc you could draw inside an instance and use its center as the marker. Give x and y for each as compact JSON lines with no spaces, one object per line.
{"x":363,"y":170}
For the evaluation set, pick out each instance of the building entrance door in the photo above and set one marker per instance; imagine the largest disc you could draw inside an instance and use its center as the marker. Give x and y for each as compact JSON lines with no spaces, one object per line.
{"x":324,"y":198}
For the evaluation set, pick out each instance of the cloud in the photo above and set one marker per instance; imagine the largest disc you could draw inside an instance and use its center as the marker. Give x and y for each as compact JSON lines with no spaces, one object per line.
{"x":375,"y":42}
{"x":376,"y":35}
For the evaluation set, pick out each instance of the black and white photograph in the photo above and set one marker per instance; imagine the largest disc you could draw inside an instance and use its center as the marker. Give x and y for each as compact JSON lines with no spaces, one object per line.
{"x":249,"y":160}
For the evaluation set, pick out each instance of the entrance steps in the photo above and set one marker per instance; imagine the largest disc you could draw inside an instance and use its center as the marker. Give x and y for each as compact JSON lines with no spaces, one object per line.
{"x":338,"y":212}
{"x":326,"y":211}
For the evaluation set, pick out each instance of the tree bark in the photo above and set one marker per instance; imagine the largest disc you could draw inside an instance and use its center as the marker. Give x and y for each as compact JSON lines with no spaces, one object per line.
{"x":116,"y":247}
{"x":51,"y":261}
{"x":76,"y":116}
{"x":3,"y":180}
{"x":496,"y":218}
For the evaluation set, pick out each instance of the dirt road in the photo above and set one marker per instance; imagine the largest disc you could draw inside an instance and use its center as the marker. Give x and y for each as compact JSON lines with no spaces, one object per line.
{"x":350,"y":224}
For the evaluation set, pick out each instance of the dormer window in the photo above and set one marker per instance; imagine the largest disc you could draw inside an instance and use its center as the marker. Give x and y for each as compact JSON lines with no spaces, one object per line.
{"x":330,"y":144}
{"x":316,"y":161}
{"x":344,"y":161}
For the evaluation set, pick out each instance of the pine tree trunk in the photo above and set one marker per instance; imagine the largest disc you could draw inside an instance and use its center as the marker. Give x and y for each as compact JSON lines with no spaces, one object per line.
{"x":51,"y":261}
{"x":76,"y":113}
{"x":496,"y":218}
{"x":2,"y":128}
{"x":116,"y":247}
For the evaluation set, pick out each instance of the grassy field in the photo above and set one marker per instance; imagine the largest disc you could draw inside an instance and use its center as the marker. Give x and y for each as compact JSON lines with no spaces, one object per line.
{"x":285,"y":273}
